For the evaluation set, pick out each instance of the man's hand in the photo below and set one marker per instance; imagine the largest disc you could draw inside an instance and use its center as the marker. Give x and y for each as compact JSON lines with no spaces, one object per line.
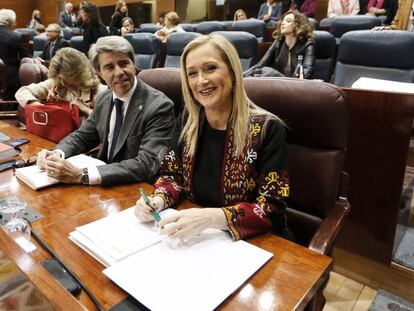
{"x":42,"y":155}
{"x":63,"y":170}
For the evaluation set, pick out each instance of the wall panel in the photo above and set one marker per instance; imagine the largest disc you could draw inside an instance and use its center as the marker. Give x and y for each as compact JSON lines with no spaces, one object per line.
{"x":23,"y":9}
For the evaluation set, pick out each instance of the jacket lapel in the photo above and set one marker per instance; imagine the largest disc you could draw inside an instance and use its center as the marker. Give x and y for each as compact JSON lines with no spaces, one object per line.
{"x":103,"y":127}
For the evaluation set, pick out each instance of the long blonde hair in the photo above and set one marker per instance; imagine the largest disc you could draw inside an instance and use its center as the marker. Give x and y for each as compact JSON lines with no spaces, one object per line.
{"x":74,"y":65}
{"x":242,"y":106}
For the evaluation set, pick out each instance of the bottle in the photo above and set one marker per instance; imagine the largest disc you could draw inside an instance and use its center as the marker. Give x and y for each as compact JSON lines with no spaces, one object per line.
{"x":299,"y":68}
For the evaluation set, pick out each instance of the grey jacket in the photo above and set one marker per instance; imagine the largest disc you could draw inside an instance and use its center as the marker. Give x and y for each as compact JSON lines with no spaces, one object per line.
{"x":146,"y":132}
{"x":273,"y":58}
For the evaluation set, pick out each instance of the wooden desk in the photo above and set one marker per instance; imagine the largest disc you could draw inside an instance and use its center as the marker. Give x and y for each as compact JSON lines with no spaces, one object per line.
{"x":287,"y":282}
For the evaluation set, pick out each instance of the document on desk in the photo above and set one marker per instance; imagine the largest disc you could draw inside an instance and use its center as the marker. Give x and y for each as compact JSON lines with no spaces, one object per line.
{"x":36,"y":178}
{"x":196,"y":276}
{"x":117,"y":236}
{"x":383,"y":85}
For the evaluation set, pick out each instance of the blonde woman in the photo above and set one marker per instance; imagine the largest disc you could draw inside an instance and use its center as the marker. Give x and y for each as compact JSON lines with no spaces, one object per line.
{"x":230,"y":156}
{"x":121,"y":11}
{"x":171,"y":22}
{"x":71,"y":78}
{"x":239,"y":15}
{"x":36,"y":19}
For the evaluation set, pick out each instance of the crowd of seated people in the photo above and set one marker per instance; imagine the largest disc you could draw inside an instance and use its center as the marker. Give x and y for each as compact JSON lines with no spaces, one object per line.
{"x":171,"y":25}
{"x":121,"y":11}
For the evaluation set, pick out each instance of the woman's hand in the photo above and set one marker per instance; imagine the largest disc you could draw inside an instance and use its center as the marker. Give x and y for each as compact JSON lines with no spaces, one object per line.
{"x":52,"y":96}
{"x":189,"y":223}
{"x":143,"y":211}
{"x":63,"y":170}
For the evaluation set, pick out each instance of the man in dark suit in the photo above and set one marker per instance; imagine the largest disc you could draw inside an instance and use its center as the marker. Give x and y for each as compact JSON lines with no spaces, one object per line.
{"x":12,"y":50}
{"x":55,"y":41}
{"x":132,"y":122}
{"x":67,"y":18}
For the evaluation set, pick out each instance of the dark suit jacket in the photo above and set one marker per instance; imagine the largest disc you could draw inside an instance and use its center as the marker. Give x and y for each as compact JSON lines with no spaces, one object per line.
{"x":115,"y":24}
{"x":11,"y":52}
{"x":60,"y":43}
{"x":65,"y":20}
{"x":146,"y":132}
{"x":277,"y":11}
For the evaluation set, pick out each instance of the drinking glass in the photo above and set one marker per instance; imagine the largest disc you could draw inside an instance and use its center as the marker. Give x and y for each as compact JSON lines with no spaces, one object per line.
{"x":17,"y":228}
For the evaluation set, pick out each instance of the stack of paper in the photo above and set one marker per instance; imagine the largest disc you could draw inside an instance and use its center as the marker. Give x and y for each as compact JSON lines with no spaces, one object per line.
{"x":7,"y":153}
{"x":36,"y":178}
{"x":198,"y":275}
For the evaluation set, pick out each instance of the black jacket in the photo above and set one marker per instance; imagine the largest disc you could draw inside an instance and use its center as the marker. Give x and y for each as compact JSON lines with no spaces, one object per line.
{"x":115,"y":24}
{"x":273,"y":58}
{"x":60,"y":43}
{"x":93,"y":32}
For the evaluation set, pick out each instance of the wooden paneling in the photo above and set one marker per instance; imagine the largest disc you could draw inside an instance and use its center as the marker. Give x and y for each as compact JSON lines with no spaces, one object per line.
{"x":23,"y":9}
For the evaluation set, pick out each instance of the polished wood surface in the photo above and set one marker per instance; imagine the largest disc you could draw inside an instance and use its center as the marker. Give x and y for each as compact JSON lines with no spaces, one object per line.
{"x":287,"y":282}
{"x":378,"y":140}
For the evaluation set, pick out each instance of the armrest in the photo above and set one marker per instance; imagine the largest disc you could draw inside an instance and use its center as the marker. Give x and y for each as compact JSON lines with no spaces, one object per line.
{"x":323,"y":239}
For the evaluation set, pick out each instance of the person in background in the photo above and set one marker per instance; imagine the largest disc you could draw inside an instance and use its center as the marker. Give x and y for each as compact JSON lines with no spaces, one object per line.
{"x":391,"y":12}
{"x":68,"y":18}
{"x":132,"y":122}
{"x":239,"y":15}
{"x":55,"y":42}
{"x":230,"y":157}
{"x":12,"y":50}
{"x":121,"y":11}
{"x":403,"y":19}
{"x":270,"y":12}
{"x":293,"y":37}
{"x":127,"y":26}
{"x":171,"y":25}
{"x":161,"y":18}
{"x":71,"y":79}
{"x":40,"y":29}
{"x":36,"y":19}
{"x":377,"y":7}
{"x":342,"y":8}
{"x":307,"y":7}
{"x":93,"y":28}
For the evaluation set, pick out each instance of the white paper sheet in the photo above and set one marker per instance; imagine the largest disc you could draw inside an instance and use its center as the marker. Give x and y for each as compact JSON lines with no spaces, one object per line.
{"x":383,"y":85}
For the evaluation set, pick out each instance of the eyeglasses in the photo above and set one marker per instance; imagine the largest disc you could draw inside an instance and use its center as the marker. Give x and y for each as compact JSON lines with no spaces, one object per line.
{"x":22,"y":163}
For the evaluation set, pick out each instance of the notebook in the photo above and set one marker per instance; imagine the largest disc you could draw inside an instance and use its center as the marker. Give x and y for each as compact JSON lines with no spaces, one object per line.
{"x":7,"y":152}
{"x":36,"y":178}
{"x":198,"y":275}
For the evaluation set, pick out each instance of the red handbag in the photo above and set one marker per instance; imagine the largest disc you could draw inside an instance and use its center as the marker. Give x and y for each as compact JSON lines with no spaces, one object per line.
{"x":52,"y":121}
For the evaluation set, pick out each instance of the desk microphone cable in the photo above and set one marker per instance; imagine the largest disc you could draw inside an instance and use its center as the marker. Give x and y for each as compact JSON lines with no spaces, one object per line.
{"x":54,"y":255}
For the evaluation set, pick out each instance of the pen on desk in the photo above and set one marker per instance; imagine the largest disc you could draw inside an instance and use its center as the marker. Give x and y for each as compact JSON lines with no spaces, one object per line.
{"x":147,"y":201}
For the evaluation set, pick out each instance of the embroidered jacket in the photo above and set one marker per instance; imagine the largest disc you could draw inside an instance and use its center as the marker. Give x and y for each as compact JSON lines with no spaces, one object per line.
{"x":254,"y":184}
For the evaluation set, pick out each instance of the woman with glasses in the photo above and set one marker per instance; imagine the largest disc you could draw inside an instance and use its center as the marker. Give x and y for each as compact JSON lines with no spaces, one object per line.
{"x":71,"y":78}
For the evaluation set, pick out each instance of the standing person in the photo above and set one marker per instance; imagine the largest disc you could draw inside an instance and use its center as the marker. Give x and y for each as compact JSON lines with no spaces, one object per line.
{"x":67,"y":18}
{"x":36,"y":19}
{"x":171,"y":22}
{"x":132,"y":122}
{"x":307,"y":7}
{"x":121,"y":11}
{"x":12,"y":50}
{"x":378,"y":7}
{"x":270,"y":12}
{"x":403,"y":19}
{"x":55,"y":42}
{"x":93,"y":28}
{"x":71,"y":79}
{"x":293,"y":37}
{"x":342,"y":8}
{"x":230,"y":157}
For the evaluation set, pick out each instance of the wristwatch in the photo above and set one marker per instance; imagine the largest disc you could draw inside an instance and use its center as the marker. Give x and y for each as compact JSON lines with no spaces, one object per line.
{"x":85,"y":176}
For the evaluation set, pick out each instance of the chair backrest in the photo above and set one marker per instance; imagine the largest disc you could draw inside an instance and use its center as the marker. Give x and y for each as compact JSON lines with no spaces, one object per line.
{"x":208,"y":27}
{"x":31,"y":73}
{"x":254,"y":26}
{"x":343,"y":24}
{"x":314,"y":23}
{"x":245,"y":44}
{"x":68,"y":33}
{"x":39,"y":43}
{"x":316,"y":120}
{"x":373,"y":54}
{"x":77,"y":43}
{"x":152,"y":28}
{"x":146,"y":48}
{"x":176,"y":43}
{"x":28,"y":31}
{"x":188,"y":27}
{"x":325,"y":54}
{"x":168,"y":81}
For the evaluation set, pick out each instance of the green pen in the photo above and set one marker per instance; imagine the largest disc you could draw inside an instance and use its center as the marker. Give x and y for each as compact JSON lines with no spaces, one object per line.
{"x":154,"y":213}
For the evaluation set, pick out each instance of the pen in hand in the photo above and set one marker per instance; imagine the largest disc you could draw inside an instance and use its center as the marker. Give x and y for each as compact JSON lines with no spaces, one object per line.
{"x":154,"y":213}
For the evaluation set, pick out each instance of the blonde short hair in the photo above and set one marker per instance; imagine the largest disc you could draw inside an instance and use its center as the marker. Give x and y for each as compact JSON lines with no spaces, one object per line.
{"x":73,"y":65}
{"x":242,"y":105}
